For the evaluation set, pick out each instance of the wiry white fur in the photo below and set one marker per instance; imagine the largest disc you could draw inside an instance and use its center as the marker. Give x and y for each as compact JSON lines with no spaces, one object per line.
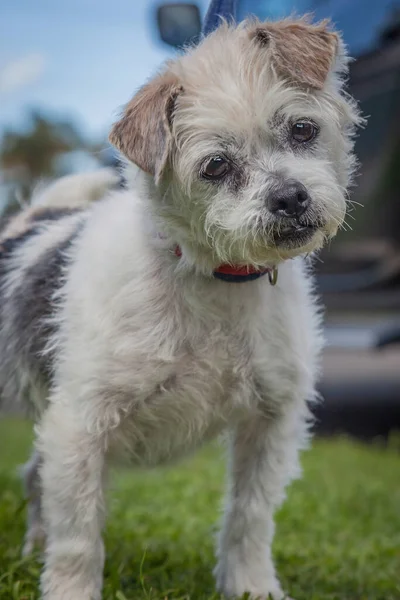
{"x":153,"y":356}
{"x":170,"y":360}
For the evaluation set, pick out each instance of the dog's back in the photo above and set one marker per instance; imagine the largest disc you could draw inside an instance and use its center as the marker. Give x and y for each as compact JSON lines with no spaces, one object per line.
{"x":35,"y":249}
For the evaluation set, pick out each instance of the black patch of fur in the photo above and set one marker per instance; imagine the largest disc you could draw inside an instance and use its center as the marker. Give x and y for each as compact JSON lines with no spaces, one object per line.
{"x":40,"y":214}
{"x":53,"y":214}
{"x":262,"y":37}
{"x":41,"y":282}
{"x":9,"y":245}
{"x":32,"y":301}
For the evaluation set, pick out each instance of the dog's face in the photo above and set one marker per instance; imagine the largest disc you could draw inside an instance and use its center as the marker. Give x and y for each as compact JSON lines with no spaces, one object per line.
{"x":248,"y":140}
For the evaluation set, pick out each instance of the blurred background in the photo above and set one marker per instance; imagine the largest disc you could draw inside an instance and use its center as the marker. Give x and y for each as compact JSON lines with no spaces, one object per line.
{"x":67,"y":68}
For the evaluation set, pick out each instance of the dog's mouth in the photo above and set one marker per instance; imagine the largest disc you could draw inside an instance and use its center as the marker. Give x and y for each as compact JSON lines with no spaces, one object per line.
{"x":295,"y":234}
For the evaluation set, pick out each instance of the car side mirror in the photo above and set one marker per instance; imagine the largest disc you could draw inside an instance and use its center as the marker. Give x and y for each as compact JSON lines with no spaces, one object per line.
{"x":178,"y":24}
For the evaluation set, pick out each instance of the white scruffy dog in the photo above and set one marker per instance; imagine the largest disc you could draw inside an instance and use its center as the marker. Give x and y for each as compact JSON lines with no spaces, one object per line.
{"x":148,"y":324}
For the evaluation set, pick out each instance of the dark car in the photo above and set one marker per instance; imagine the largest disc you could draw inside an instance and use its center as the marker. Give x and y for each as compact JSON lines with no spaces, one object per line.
{"x":359,"y":274}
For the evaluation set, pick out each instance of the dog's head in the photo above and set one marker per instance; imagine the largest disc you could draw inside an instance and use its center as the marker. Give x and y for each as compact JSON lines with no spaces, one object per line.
{"x":247,"y":140}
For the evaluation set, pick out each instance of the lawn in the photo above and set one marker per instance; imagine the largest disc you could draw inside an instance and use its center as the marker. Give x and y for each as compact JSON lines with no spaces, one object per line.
{"x":338,"y":535}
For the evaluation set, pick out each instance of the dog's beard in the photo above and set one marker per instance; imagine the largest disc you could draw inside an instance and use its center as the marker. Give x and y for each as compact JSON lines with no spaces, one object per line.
{"x":259,"y":246}
{"x":256,"y":240}
{"x":263,"y":240}
{"x":253,"y":248}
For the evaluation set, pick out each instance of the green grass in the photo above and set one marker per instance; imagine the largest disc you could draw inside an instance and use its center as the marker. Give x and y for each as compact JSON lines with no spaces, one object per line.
{"x":338,"y":535}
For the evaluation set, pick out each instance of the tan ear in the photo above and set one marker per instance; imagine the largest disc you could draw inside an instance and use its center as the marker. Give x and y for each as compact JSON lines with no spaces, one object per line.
{"x":143,"y":134}
{"x":301,"y":52}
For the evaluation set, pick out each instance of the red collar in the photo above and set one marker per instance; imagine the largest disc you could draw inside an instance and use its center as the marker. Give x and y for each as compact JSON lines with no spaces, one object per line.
{"x":234,"y":274}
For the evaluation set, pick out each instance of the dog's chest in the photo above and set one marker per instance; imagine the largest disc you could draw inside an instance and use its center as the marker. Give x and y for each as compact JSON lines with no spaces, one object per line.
{"x":208,"y":386}
{"x":208,"y":365}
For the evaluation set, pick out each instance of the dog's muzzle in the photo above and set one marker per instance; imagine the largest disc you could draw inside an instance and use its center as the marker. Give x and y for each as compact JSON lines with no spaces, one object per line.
{"x":289,"y":202}
{"x":294,"y":235}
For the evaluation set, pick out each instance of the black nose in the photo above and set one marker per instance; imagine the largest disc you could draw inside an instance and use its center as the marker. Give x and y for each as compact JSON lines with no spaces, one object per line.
{"x":290,"y":199}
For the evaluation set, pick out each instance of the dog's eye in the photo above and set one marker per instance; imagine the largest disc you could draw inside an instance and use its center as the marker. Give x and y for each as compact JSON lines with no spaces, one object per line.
{"x":215,"y":168}
{"x":304,"y":131}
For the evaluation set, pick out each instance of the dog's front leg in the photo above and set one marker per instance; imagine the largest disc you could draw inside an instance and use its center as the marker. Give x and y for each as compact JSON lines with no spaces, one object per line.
{"x":72,"y":504}
{"x":263,"y":458}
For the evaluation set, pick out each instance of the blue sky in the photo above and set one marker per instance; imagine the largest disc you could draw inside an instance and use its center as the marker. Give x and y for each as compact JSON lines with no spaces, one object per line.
{"x":78,"y":58}
{"x":85,"y":58}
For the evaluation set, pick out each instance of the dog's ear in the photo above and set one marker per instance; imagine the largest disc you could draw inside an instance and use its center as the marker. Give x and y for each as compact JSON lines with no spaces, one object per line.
{"x":143,"y":134}
{"x":302,"y":53}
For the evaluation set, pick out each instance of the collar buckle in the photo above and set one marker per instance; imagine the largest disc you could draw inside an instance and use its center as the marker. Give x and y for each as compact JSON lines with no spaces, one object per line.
{"x":273,"y":275}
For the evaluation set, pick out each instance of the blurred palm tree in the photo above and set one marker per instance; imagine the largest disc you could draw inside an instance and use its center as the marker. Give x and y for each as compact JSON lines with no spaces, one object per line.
{"x":30,"y":156}
{"x":33,"y":151}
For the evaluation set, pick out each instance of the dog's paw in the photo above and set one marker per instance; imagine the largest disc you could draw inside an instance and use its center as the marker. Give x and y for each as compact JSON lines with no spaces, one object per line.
{"x":236,"y":581}
{"x":258,"y":594}
{"x":67,"y":586}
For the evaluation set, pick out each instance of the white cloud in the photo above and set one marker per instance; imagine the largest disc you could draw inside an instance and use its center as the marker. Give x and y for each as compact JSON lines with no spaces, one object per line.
{"x":21,"y":72}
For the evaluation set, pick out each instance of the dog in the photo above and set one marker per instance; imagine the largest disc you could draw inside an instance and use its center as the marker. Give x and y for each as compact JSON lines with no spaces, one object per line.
{"x":183,"y":306}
